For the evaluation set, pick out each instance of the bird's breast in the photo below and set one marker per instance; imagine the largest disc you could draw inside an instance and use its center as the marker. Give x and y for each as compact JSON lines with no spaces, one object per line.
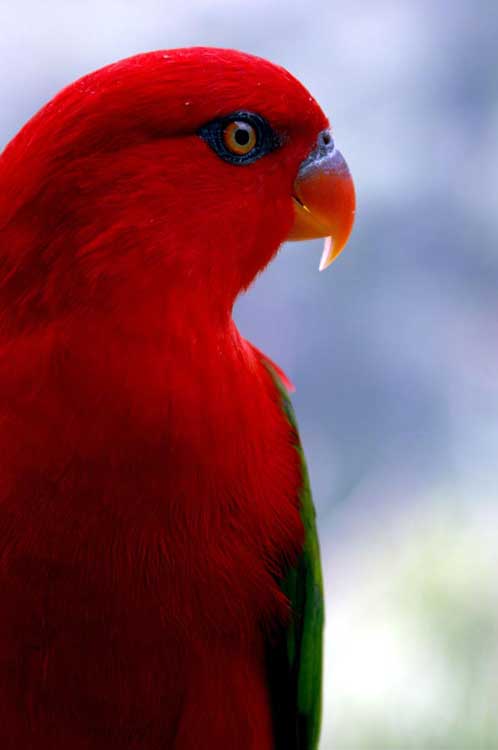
{"x":188,"y":496}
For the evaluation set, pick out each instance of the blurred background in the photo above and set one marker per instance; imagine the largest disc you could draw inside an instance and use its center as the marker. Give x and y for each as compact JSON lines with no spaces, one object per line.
{"x":394,"y":350}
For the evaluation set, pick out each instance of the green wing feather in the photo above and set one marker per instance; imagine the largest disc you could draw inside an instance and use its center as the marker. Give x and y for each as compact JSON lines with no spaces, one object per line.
{"x":295,"y":671}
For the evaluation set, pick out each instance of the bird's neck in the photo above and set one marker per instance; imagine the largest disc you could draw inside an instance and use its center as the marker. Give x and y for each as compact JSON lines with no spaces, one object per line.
{"x":160,"y":363}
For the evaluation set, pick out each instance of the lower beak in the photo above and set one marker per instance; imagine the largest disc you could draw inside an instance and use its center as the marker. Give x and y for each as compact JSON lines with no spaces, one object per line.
{"x":324,"y":199}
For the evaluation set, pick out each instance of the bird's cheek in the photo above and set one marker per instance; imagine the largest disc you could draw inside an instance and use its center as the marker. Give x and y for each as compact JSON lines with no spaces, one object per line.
{"x":324,"y":199}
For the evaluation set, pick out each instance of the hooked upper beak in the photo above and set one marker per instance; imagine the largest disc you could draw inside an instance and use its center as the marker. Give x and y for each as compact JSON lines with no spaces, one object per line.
{"x":324,"y":199}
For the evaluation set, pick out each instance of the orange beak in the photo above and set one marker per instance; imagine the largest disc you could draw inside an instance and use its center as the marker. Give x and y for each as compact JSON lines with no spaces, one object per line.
{"x":324,"y":199}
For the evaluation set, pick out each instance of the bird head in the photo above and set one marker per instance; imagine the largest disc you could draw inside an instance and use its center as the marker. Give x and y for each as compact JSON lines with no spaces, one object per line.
{"x":182,"y":169}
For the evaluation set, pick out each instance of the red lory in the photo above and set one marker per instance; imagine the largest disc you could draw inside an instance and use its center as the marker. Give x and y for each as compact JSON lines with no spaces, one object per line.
{"x":160,"y":581}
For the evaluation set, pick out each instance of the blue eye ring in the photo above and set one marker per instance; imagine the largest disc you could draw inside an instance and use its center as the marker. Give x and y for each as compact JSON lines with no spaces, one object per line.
{"x":254,"y":133}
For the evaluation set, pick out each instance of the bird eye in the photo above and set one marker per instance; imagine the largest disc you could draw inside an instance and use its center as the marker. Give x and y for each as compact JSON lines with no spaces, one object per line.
{"x":240,"y":138}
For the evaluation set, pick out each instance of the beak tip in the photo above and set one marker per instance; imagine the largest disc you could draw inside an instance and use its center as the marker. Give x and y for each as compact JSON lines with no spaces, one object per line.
{"x":328,"y":254}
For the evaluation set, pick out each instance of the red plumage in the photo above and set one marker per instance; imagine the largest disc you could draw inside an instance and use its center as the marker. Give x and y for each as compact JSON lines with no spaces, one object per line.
{"x":149,"y":480}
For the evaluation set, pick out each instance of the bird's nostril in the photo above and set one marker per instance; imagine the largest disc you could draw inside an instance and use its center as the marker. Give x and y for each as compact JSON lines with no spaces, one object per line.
{"x":325,"y":140}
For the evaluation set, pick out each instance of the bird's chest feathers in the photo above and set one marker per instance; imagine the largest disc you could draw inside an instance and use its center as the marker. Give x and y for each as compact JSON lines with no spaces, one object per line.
{"x":176,"y":477}
{"x":236,"y":470}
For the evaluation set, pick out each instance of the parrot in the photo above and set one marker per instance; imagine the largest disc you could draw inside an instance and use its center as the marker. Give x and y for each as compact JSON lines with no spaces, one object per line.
{"x":160,"y":576}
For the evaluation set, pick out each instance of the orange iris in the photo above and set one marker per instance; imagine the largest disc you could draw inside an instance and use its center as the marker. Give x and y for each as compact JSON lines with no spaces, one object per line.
{"x":239,"y":137}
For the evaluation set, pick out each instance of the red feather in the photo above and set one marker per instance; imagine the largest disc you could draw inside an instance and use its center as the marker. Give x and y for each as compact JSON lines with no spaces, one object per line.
{"x":148,"y":483}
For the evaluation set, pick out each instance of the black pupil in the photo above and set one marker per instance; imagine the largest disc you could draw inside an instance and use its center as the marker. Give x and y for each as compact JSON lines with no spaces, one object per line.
{"x":241,"y":137}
